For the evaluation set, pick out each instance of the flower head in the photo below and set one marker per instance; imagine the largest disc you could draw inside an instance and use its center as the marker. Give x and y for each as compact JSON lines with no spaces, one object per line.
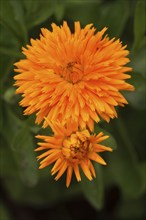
{"x":73,"y":76}
{"x":70,"y":149}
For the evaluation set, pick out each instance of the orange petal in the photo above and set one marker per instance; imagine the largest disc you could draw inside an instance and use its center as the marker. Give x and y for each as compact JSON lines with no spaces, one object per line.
{"x":61,"y":171}
{"x":52,"y":157}
{"x":86,"y":170}
{"x":77,"y":172}
{"x":97,"y":158}
{"x":69,"y":176}
{"x":57,"y":166}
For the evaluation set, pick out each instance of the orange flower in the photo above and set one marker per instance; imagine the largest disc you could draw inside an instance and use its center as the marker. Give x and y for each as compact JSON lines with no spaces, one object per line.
{"x":70,"y":148}
{"x":73,"y":76}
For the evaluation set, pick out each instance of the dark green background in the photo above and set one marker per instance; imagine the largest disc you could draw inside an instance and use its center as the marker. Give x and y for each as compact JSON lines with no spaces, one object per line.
{"x":119,"y":190}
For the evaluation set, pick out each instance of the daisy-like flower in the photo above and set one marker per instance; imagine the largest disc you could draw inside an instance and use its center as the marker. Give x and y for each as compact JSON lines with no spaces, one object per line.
{"x":73,"y":76}
{"x":70,"y":149}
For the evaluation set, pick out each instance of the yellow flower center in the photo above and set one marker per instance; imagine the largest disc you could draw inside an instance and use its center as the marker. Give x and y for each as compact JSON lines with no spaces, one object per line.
{"x":77,"y":146}
{"x":72,"y":72}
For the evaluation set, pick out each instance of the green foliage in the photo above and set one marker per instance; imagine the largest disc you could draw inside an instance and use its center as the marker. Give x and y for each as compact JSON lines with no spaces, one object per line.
{"x":23,"y":182}
{"x":132,"y":209}
{"x":137,"y":99}
{"x":94,"y":190}
{"x":13,"y":19}
{"x":4,"y":214}
{"x":23,"y":148}
{"x":139,"y":25}
{"x":126,"y":174}
{"x":44,"y":10}
{"x":112,"y":16}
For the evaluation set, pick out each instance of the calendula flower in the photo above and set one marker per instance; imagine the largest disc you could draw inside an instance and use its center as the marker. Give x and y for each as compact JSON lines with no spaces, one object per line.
{"x":73,"y":76}
{"x":71,"y":149}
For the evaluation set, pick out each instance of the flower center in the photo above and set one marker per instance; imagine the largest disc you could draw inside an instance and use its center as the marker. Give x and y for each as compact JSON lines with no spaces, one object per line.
{"x":72,"y":72}
{"x":77,"y":146}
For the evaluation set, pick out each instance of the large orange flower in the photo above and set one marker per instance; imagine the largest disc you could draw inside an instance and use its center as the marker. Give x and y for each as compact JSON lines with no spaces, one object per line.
{"x":73,"y":76}
{"x":70,"y":149}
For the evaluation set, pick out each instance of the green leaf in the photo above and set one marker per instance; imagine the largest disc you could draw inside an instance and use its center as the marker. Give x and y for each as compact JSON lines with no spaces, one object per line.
{"x":29,"y":6}
{"x":43,"y":9}
{"x":8,"y":165}
{"x":110,"y":142}
{"x":10,"y":52}
{"x":20,"y":17}
{"x":137,"y":98}
{"x":131,"y":209}
{"x":142,"y":169}
{"x":94,"y":190}
{"x":46,"y":192}
{"x":125,"y":172}
{"x":23,"y":149}
{"x":6,"y":68}
{"x":31,"y":123}
{"x":139,"y":24}
{"x":18,"y":136}
{"x":114,"y":15}
{"x":1,"y":114}
{"x":11,"y":124}
{"x":59,"y":11}
{"x":10,"y":96}
{"x":83,"y":11}
{"x":138,"y":62}
{"x":4,"y":213}
{"x":124,"y":163}
{"x":11,"y":17}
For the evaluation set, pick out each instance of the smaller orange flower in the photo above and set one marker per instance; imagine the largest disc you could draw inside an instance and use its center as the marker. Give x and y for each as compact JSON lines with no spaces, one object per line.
{"x":71,"y":149}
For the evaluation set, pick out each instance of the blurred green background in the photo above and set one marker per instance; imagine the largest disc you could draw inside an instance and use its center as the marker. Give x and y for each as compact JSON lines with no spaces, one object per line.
{"x":119,"y":190}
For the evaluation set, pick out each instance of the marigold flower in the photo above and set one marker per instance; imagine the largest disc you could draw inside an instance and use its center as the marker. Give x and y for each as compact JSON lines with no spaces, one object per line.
{"x":70,"y":149}
{"x":73,"y":76}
